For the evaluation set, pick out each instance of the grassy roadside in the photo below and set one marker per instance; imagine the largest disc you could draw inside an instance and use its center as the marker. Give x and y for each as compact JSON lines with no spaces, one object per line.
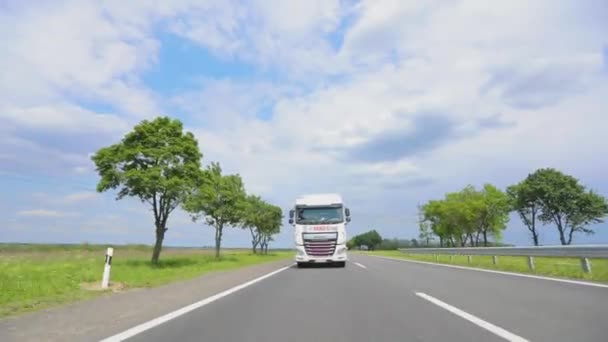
{"x":554,"y":267}
{"x":35,"y":277}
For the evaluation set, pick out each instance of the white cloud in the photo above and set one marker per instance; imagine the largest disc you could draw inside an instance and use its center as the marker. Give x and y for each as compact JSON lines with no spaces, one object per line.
{"x":417,"y":60}
{"x":430,"y":95}
{"x":64,"y":117}
{"x":80,"y":197}
{"x":46,"y":213}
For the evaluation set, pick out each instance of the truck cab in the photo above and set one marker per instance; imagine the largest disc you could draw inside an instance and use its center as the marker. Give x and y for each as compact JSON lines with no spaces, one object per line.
{"x":319,"y":222}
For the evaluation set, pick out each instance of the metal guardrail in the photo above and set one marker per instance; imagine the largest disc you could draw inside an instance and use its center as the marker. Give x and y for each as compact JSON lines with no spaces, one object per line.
{"x":584,"y":252}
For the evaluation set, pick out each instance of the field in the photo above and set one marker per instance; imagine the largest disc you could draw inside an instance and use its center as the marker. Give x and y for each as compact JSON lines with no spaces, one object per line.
{"x":33,"y":277}
{"x":555,"y":267}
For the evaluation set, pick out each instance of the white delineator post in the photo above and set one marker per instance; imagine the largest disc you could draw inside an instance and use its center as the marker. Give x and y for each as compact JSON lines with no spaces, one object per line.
{"x":106,"y":269}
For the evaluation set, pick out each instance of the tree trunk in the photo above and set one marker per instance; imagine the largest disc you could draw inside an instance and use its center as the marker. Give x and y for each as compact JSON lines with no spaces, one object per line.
{"x":158,"y":245}
{"x":218,"y":239}
{"x":533,"y":228}
{"x":485,"y":238}
{"x":440,"y":242}
{"x":560,"y":229}
{"x":535,"y":238}
{"x":254,"y":240}
{"x":472,"y":241}
{"x":562,"y":238}
{"x":570,"y":234}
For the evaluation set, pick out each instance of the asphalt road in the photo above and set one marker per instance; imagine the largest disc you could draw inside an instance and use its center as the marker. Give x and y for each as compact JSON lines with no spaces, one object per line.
{"x":375,"y":299}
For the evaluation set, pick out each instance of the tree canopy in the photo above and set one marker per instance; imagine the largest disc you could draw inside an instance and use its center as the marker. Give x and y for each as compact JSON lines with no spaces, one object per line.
{"x":156,"y":162}
{"x":371,"y":239}
{"x":263,"y":221}
{"x":566,"y":203}
{"x":467,"y":217}
{"x":218,"y":200}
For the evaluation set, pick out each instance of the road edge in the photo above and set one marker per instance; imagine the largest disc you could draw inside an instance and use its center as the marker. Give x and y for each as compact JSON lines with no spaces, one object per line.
{"x":561,"y":280}
{"x":138,"y":329}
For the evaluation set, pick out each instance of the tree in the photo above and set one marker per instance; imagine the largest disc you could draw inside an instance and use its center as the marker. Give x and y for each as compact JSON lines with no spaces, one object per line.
{"x":374,"y":239}
{"x":566,"y":203}
{"x":271,"y":225}
{"x":219,"y":200}
{"x":371,"y":239}
{"x":465,"y":217}
{"x":434,"y":212}
{"x":263,"y":221}
{"x":492,"y":212}
{"x":351,"y":244}
{"x":524,"y":200}
{"x":156,"y":162}
{"x":253,"y":217}
{"x":426,"y":234}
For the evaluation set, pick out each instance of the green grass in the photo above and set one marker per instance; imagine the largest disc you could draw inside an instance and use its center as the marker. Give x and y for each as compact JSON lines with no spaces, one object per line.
{"x":33,"y":277}
{"x":569,"y":268}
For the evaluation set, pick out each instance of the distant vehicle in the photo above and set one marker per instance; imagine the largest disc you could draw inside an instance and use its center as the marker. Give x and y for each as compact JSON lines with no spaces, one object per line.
{"x":319,"y":222}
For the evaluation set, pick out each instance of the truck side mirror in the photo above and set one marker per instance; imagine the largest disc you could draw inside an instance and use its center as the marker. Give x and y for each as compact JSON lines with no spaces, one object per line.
{"x":291,"y":213}
{"x":347,"y":211}
{"x":290,"y":221}
{"x":347,"y":218}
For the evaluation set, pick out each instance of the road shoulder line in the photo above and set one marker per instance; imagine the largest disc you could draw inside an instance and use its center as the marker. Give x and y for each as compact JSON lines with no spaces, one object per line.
{"x":496,"y":330}
{"x":184,"y":310}
{"x":360,"y":265}
{"x":568,"y":281}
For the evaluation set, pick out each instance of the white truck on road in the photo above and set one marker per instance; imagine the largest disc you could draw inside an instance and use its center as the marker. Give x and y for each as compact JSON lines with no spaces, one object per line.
{"x":319,"y":222}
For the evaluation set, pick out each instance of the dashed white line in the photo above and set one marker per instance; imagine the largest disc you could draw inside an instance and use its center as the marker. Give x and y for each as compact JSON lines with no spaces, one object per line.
{"x":360,"y":265}
{"x":179,"y":312}
{"x":496,"y":330}
{"x":576,"y":282}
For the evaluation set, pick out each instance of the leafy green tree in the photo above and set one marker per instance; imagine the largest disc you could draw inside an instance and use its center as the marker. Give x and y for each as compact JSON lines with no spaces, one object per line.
{"x":271,"y":225}
{"x":524,"y":200}
{"x":434,"y":212}
{"x":351,"y":244}
{"x":374,"y":239}
{"x":253,"y":219}
{"x":493,"y":207}
{"x":465,"y":217}
{"x":158,"y":163}
{"x":426,"y":234}
{"x":219,"y":200}
{"x":567,"y":204}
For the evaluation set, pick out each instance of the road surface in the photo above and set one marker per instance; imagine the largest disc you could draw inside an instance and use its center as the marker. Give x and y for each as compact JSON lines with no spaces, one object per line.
{"x":375,"y":299}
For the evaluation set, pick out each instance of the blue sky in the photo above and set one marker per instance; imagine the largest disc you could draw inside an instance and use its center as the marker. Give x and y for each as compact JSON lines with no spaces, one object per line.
{"x":390,"y":103}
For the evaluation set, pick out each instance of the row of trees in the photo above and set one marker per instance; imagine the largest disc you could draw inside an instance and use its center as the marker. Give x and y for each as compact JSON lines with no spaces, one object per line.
{"x":548,"y":196}
{"x":160,"y":164}
{"x":371,"y":239}
{"x":468,"y":216}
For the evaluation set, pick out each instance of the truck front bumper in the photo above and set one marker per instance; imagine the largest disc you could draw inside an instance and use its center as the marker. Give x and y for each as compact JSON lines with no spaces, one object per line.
{"x":339,"y":255}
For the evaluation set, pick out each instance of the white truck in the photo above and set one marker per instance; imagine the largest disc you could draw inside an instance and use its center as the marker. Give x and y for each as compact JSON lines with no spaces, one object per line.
{"x":319,"y":222}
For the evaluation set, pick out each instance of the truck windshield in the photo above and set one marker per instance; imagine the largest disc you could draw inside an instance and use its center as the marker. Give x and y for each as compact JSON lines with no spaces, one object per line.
{"x":319,"y":215}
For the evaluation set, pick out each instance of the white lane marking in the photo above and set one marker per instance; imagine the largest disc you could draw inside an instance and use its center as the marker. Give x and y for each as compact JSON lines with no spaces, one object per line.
{"x":496,"y":330}
{"x":179,"y":312}
{"x":576,"y":282}
{"x":358,"y":264}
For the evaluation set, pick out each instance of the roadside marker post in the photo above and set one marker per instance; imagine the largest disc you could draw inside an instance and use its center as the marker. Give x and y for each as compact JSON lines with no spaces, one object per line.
{"x":106,"y":269}
{"x":586,"y":265}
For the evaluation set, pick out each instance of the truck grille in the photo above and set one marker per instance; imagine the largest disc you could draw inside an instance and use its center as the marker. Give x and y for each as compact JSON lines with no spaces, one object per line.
{"x":320,"y":248}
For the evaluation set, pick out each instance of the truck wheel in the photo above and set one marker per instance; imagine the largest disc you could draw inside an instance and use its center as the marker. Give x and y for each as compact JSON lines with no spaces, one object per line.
{"x":301,"y":265}
{"x":342,"y":264}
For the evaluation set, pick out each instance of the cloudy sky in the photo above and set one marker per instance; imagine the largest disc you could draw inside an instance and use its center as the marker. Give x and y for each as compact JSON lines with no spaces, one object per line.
{"x":390,"y":103}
